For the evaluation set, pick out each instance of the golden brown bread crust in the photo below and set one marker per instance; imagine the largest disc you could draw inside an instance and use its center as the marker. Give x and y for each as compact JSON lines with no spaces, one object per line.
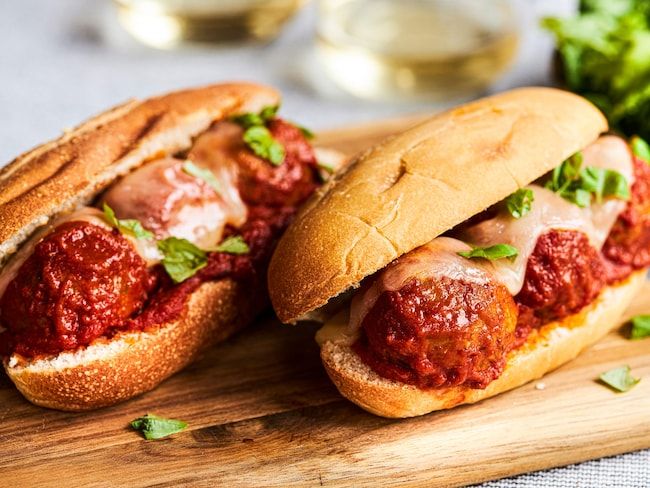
{"x":62,"y":174}
{"x":411,"y":188}
{"x":59,"y":175}
{"x":132,"y":363}
{"x":555,"y":344}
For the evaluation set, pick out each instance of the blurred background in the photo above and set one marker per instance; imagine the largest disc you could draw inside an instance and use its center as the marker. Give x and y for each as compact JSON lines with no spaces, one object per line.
{"x":336,"y":61}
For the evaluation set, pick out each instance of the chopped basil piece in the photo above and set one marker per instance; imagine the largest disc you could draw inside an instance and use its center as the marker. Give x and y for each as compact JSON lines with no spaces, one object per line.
{"x":579,"y":185}
{"x":251,"y":119}
{"x":267,"y":113}
{"x":640,"y":327}
{"x":564,"y":174}
{"x":260,"y":139}
{"x":603,"y":182}
{"x":640,"y":148}
{"x":248,"y":120}
{"x":153,"y":427}
{"x":262,"y":143}
{"x":326,"y":167}
{"x":325,"y":171}
{"x":520,"y":202}
{"x":305,"y":132}
{"x":233,"y":245}
{"x":181,"y":258}
{"x":498,"y":251}
{"x":109,"y":213}
{"x":619,"y":379}
{"x":581,"y":197}
{"x":203,"y":174}
{"x":565,"y":181}
{"x":130,"y":227}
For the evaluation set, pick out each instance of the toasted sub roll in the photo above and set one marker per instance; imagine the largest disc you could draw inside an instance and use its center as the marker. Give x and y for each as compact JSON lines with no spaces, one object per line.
{"x":42,"y":192}
{"x":60,"y":175}
{"x":113,"y":370}
{"x":545,"y":350}
{"x":424,"y":321}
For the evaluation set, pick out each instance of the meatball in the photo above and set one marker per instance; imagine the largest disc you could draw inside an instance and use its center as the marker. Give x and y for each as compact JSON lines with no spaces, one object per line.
{"x":260,"y":182}
{"x":563,"y":275}
{"x":440,"y":333}
{"x":81,"y":282}
{"x":628,"y":244}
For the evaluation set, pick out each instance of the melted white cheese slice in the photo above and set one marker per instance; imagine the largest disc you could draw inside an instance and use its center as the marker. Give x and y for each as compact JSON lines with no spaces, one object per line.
{"x":549,"y":211}
{"x":435,"y":259}
{"x":170,"y":202}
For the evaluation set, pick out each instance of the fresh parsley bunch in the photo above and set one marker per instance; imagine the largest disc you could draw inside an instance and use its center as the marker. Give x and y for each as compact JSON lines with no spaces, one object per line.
{"x":605,"y":55}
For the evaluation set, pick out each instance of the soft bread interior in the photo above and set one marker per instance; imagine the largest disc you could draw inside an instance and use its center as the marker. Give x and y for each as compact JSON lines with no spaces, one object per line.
{"x":550,"y":347}
{"x":413,"y":187}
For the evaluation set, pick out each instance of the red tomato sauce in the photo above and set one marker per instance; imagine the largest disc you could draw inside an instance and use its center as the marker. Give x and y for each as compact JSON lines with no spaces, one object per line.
{"x":84,"y":282}
{"x":80,"y":280}
{"x":419,"y":335}
{"x":438,"y":335}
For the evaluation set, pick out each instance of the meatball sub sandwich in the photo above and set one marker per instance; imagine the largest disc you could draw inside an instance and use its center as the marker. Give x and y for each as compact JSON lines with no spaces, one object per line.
{"x":141,"y":237}
{"x":470,"y":254}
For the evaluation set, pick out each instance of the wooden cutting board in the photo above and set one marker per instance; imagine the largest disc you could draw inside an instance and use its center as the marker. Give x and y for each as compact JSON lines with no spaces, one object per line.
{"x":263,"y":413}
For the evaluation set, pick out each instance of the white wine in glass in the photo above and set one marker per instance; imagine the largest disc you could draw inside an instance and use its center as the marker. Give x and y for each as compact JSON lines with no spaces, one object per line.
{"x":416,"y":49}
{"x":168,"y":23}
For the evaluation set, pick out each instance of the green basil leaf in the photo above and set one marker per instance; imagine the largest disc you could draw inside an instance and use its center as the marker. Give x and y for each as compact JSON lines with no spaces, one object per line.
{"x":619,"y":379}
{"x":640,"y":327}
{"x":110,"y":216}
{"x":258,"y":138}
{"x":248,"y":120}
{"x":582,"y":198}
{"x":579,"y":185}
{"x":573,"y":165}
{"x":640,"y":148}
{"x":520,"y":202}
{"x":134,"y":228}
{"x":498,"y":251}
{"x":328,"y":168}
{"x":602,"y":182}
{"x":251,"y":119}
{"x":306,"y":132}
{"x":203,"y":174}
{"x":326,"y":171}
{"x":567,"y":172}
{"x":153,"y":427}
{"x":130,"y":227}
{"x":181,"y":258}
{"x":262,"y":143}
{"x":564,"y":174}
{"x":616,"y":185}
{"x":593,"y":181}
{"x":269,"y":112}
{"x":233,"y":245}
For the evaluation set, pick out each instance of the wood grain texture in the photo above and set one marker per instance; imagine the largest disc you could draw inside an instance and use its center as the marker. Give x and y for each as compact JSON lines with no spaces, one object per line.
{"x":263,"y":413}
